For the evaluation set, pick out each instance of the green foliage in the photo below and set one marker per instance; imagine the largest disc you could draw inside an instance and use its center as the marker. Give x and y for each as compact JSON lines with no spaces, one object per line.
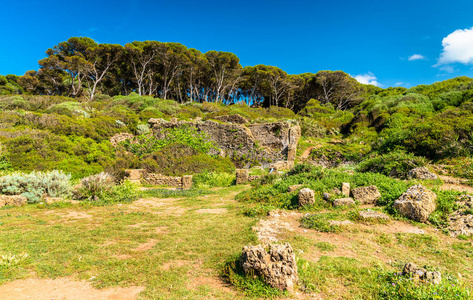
{"x":179,"y":159}
{"x":210,"y":179}
{"x":173,"y":193}
{"x":320,"y":180}
{"x":185,"y":135}
{"x":325,"y":246}
{"x":395,"y":286}
{"x":394,"y":164}
{"x":446,"y":205}
{"x":35,"y":184}
{"x":101,"y":189}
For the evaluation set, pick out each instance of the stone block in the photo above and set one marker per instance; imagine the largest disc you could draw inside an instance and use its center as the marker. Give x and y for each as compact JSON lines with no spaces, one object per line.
{"x":346,"y":189}
{"x":306,"y":197}
{"x":186,"y":182}
{"x":343,"y":202}
{"x":242,"y":176}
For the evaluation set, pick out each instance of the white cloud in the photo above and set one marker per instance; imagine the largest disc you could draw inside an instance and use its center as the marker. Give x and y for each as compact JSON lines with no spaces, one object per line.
{"x":416,"y":57}
{"x":367,"y":78}
{"x":399,"y":83}
{"x":447,"y":69}
{"x":457,"y":47}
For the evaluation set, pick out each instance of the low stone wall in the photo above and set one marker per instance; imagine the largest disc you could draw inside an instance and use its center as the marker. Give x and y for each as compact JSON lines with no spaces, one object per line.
{"x":140,"y":175}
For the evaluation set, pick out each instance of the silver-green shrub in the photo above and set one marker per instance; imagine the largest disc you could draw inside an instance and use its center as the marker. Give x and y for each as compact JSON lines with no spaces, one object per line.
{"x":35,"y":184}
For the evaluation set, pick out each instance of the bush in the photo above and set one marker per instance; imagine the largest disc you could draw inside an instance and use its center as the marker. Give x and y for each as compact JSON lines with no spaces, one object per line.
{"x":184,"y":135}
{"x":35,"y":184}
{"x":96,"y":185}
{"x":394,"y":164}
{"x":101,"y":189}
{"x":210,"y":179}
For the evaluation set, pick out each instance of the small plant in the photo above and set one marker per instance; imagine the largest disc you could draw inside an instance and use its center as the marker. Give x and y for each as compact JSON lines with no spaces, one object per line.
{"x":320,"y":222}
{"x":325,"y":246}
{"x":96,"y":185}
{"x":10,"y":260}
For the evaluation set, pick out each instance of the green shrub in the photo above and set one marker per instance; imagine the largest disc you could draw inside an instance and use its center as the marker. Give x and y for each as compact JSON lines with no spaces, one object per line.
{"x":35,"y":184}
{"x":394,"y":164}
{"x":209,"y":179}
{"x":185,"y":135}
{"x":101,"y":189}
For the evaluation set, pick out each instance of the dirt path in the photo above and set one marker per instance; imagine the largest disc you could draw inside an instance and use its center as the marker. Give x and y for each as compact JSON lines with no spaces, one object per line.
{"x":306,"y":153}
{"x":63,"y":289}
{"x":452,"y":183}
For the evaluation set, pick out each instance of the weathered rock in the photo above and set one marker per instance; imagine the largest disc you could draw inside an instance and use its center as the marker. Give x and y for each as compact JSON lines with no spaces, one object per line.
{"x":277,"y":267}
{"x":336,"y":191}
{"x":2,"y":202}
{"x":306,"y":197}
{"x":346,"y":189}
{"x":372,"y":215}
{"x":14,"y":200}
{"x":422,"y":173}
{"x":326,"y":196}
{"x":135,"y":175}
{"x":366,"y":195}
{"x":51,"y":200}
{"x":242,"y":176}
{"x":461,"y":220}
{"x":186,"y":182}
{"x":120,"y":137}
{"x":293,"y":188}
{"x":417,"y":203}
{"x":417,"y":273}
{"x":254,"y":177}
{"x":235,"y":119}
{"x":340,"y":223}
{"x":343,"y":202}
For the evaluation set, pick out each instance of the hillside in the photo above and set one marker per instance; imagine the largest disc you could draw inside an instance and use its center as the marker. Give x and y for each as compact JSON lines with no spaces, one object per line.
{"x":83,"y":164}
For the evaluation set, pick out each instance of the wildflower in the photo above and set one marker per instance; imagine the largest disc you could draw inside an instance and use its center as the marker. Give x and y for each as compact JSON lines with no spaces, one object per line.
{"x":393,"y":284}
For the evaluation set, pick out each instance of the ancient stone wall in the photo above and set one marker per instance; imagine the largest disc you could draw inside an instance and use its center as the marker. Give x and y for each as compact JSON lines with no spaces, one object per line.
{"x":267,"y":143}
{"x":144,"y":177}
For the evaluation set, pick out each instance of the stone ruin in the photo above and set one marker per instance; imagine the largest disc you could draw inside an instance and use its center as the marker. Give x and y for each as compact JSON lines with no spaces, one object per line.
{"x":272,"y":145}
{"x":417,"y":203}
{"x":143,"y":177}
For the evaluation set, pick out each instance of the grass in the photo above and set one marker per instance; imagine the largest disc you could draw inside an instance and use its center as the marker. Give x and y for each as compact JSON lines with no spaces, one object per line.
{"x":165,"y":243}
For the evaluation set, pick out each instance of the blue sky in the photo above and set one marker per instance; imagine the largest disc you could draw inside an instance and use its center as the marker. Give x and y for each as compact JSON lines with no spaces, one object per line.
{"x":373,"y":40}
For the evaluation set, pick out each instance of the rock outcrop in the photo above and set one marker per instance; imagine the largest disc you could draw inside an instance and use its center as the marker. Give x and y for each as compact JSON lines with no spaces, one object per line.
{"x":417,"y":203}
{"x":343,"y":202}
{"x":372,"y":215}
{"x":234,"y":119}
{"x":268,"y":143}
{"x":306,"y":197}
{"x":421,"y":173}
{"x":14,"y":200}
{"x":461,"y":221}
{"x":120,"y":137}
{"x":410,"y":269}
{"x":366,"y":195}
{"x":277,"y":267}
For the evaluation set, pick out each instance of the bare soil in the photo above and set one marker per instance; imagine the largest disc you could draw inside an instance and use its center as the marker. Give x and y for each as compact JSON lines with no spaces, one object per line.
{"x":64,"y":289}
